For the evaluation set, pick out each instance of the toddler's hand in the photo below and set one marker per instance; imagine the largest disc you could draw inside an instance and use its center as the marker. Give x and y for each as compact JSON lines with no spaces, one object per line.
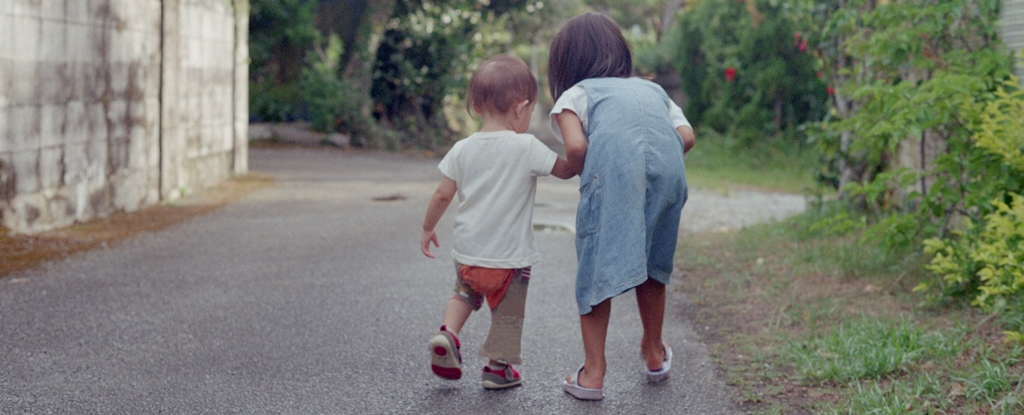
{"x":428,"y":237}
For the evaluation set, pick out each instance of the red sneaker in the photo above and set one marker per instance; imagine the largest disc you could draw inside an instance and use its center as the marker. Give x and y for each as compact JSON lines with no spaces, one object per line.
{"x":501,"y":379}
{"x":445,"y":358}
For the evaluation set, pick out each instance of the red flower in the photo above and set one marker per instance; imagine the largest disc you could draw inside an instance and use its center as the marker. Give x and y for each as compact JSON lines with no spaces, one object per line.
{"x":830,"y":90}
{"x":803,"y":45}
{"x":820,"y":74}
{"x":730,"y":74}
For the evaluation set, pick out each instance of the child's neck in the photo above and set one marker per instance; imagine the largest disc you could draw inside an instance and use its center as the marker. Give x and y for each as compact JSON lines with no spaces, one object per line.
{"x":493,"y":124}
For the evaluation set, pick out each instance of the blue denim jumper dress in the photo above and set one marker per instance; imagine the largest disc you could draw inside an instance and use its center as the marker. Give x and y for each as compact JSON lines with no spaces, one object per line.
{"x":632,"y":190}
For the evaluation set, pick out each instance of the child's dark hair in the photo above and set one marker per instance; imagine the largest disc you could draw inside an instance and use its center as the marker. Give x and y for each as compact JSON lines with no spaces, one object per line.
{"x":499,"y":84}
{"x":588,"y":46}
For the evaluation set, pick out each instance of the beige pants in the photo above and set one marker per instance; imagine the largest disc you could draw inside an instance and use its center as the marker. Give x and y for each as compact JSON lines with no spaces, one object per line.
{"x":504,"y":340}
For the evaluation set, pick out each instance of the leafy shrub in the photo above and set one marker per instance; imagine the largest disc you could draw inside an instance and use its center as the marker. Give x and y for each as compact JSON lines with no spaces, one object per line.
{"x":270,"y":102}
{"x":934,"y":72}
{"x":985,"y":260}
{"x":748,"y":70}
{"x":280,"y":34}
{"x":427,"y":52}
{"x":989,"y":257}
{"x":333,"y":103}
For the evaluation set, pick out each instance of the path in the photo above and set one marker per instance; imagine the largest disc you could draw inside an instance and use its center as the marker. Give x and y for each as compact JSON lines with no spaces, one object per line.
{"x":312,"y":297}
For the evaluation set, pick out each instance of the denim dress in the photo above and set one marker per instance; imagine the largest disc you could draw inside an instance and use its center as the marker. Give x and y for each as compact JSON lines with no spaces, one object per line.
{"x":632,"y":190}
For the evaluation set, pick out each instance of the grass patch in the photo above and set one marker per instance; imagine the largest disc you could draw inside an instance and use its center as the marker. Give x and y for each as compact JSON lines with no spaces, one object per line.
{"x":721,"y":163}
{"x":867,"y":349}
{"x":805,"y":318}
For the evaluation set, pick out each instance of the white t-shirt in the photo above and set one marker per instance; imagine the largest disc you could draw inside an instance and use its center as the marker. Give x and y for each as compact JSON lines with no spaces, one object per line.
{"x":575,"y":100}
{"x":496,"y":177}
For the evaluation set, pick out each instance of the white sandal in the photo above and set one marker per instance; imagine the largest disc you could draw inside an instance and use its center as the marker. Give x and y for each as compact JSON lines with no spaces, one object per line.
{"x":660,"y":375}
{"x":573,"y":388}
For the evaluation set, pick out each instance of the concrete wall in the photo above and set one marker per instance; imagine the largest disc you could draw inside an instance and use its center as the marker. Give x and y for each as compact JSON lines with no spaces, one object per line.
{"x":112,"y":105}
{"x":1011,"y":30}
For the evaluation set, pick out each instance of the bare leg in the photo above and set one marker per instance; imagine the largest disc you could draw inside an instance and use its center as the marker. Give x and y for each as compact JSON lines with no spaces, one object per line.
{"x":595,"y":331}
{"x":650,"y":298}
{"x":456,"y":314}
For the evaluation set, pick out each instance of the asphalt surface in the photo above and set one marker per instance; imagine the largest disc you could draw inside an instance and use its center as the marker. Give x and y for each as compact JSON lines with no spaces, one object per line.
{"x":310,"y":296}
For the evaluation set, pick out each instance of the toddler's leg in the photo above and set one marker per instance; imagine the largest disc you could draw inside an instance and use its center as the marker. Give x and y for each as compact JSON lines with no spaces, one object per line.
{"x":504,"y":340}
{"x":456,"y":314}
{"x":462,"y":304}
{"x":594,"y":327}
{"x":650,"y":297}
{"x":445,"y":357}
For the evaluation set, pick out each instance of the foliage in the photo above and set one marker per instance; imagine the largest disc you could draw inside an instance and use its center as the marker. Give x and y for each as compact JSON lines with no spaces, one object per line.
{"x":414,"y":55}
{"x":748,"y":71}
{"x":989,"y":257}
{"x":975,"y":182}
{"x":929,"y":78}
{"x":811,"y":321}
{"x":280,"y":34}
{"x":539,"y":20}
{"x":427,"y":53}
{"x":333,"y":103}
{"x":647,"y":16}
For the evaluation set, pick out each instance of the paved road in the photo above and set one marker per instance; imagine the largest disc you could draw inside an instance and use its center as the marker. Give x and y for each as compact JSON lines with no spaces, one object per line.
{"x":312,"y":297}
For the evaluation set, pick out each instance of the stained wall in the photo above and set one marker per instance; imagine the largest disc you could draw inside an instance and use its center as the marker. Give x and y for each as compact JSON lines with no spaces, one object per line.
{"x":1011,"y":31}
{"x":112,"y":105}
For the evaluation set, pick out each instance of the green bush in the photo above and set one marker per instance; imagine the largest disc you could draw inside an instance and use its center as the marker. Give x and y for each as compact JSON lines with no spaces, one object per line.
{"x":332,"y":102}
{"x":749,"y":77}
{"x":270,"y":102}
{"x":985,"y":260}
{"x":427,"y":51}
{"x":933,"y":71}
{"x":280,"y":34}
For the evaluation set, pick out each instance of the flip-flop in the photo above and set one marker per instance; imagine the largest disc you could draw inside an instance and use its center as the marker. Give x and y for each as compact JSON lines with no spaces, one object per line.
{"x":573,"y":388}
{"x":660,"y":375}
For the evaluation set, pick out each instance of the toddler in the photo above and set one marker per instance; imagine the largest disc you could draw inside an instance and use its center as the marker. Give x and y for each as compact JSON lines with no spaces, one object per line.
{"x":494,"y":173}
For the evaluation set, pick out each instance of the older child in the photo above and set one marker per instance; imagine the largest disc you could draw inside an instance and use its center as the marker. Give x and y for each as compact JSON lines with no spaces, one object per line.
{"x":494,"y":172}
{"x":626,"y":139}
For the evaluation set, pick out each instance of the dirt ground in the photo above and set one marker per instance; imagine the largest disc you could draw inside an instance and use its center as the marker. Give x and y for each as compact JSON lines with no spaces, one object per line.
{"x":19,"y":253}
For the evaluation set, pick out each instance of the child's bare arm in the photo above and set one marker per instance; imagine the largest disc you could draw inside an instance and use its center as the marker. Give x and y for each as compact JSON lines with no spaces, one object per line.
{"x":438,"y":204}
{"x":574,"y":139}
{"x":562,"y":170}
{"x":688,"y":138}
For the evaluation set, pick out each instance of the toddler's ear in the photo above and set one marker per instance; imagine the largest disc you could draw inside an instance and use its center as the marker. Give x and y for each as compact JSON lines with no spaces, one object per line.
{"x":522,"y":106}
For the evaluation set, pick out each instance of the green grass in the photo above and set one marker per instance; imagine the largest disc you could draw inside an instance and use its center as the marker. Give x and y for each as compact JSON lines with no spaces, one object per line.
{"x":812,"y":313}
{"x":867,"y":349}
{"x":720,"y":163}
{"x":807,"y":313}
{"x":948,"y":384}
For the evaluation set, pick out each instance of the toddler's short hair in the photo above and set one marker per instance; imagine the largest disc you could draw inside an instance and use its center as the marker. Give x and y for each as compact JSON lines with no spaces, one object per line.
{"x":500,"y":83}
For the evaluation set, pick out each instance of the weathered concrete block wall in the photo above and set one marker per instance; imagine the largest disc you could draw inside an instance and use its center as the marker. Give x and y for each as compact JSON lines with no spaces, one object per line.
{"x":1011,"y":30}
{"x":84,"y":123}
{"x":199,"y":140}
